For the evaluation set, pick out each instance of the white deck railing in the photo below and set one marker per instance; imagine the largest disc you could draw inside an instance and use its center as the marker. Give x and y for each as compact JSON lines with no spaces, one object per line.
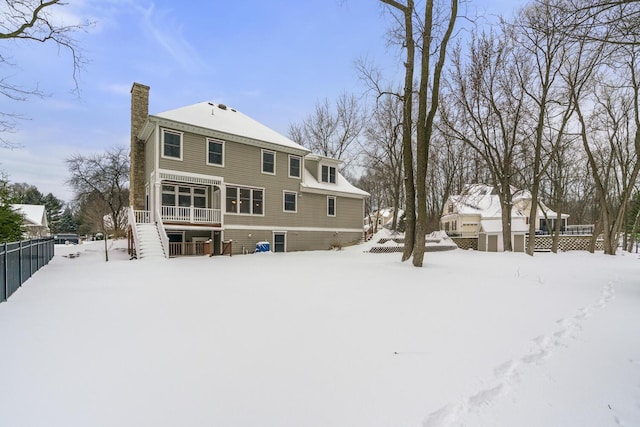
{"x":142,"y":217}
{"x":191,"y":214}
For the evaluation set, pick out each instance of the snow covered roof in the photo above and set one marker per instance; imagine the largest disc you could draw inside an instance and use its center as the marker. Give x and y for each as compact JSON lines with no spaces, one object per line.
{"x":219,"y":117}
{"x":486,"y":205}
{"x":342,"y":186}
{"x":34,"y":214}
{"x":481,"y":199}
{"x":491,"y":225}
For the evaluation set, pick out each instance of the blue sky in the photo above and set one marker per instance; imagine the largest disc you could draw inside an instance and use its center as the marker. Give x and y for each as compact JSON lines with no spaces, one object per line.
{"x":272,"y":60}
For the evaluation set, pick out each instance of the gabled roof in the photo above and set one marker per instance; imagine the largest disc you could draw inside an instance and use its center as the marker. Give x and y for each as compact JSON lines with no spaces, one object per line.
{"x":33,"y":214}
{"x":480,"y":199}
{"x":219,"y":117}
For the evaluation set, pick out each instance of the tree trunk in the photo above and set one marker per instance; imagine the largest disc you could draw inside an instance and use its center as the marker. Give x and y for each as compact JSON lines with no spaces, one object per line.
{"x":407,"y":126}
{"x":634,"y":232}
{"x":425,"y":120}
{"x":597,"y":227}
{"x":106,"y":248}
{"x":556,"y":231}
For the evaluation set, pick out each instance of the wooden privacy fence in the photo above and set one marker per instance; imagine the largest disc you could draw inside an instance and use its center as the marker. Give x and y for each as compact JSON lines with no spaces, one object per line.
{"x":19,"y":260}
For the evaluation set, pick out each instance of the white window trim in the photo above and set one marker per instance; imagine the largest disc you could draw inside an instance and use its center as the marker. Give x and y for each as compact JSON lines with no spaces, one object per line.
{"x":175,"y":132}
{"x":239,"y":187}
{"x":328,"y":181}
{"x":207,"y":152}
{"x":283,"y":201}
{"x":335,"y":207}
{"x":299,"y":166}
{"x":273,"y":236}
{"x":262,"y":162}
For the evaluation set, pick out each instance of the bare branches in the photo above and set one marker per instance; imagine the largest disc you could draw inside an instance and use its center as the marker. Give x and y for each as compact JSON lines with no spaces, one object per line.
{"x":613,"y":22}
{"x":332,"y":131}
{"x":102,"y":180}
{"x":34,"y":21}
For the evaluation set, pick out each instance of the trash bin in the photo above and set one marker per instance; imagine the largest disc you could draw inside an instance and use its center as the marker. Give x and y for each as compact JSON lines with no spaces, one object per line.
{"x":263,"y":247}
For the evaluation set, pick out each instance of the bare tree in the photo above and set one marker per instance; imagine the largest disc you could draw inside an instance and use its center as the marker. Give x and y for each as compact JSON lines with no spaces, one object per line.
{"x":487,"y":110}
{"x":537,"y":32}
{"x":33,"y":21}
{"x":610,"y":21}
{"x":101,"y":180}
{"x":432,"y":42}
{"x":383,"y":151}
{"x":611,"y":139}
{"x":332,"y":132}
{"x":406,"y":23}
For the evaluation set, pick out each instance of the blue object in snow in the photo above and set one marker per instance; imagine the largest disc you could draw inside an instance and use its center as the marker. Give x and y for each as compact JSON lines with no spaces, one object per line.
{"x":262,"y":247}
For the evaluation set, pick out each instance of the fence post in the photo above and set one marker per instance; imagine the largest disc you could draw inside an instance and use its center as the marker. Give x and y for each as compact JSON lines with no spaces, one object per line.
{"x":31,"y":259}
{"x":20,"y":262}
{"x":5,"y":272}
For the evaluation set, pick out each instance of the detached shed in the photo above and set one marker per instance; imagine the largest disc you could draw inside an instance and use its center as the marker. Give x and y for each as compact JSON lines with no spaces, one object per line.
{"x":490,"y":236}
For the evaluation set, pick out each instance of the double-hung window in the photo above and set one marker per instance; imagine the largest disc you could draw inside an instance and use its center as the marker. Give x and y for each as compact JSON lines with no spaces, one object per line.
{"x":294,"y":166}
{"x":290,"y":201}
{"x":331,"y":205}
{"x":215,"y":152}
{"x":269,"y":162}
{"x":328,"y":174}
{"x":171,"y":144}
{"x":243,"y":200}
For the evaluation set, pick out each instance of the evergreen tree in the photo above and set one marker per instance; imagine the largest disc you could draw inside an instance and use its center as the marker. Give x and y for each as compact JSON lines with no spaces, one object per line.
{"x":54,"y":208}
{"x":66,"y":223}
{"x":10,"y":220}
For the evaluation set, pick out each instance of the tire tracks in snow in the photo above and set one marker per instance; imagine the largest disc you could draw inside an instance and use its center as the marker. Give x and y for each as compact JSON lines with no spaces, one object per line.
{"x":507,"y":374}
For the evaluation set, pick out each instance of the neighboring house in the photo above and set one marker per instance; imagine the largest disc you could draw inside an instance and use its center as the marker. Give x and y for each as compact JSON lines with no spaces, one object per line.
{"x":381,"y":218}
{"x":35,"y":220}
{"x":477,"y":211}
{"x":206,"y":172}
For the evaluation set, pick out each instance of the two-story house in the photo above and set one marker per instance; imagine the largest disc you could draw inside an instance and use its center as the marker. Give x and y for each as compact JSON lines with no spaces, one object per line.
{"x":208,"y":173}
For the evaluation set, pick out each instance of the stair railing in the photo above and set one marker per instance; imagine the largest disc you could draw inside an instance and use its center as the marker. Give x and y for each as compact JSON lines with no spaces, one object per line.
{"x":163,"y":234}
{"x":134,"y":230}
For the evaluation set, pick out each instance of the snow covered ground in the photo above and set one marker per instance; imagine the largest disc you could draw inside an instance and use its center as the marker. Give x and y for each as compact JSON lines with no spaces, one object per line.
{"x":335,"y":338}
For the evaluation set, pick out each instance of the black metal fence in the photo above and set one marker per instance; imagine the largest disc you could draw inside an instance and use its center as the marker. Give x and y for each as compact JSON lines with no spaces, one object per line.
{"x":19,"y":260}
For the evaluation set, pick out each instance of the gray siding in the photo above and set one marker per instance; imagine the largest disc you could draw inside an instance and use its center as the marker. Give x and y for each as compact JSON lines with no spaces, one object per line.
{"x":312,"y":212}
{"x":242,"y":164}
{"x":310,"y":228}
{"x":245,"y":240}
{"x":149,"y":157}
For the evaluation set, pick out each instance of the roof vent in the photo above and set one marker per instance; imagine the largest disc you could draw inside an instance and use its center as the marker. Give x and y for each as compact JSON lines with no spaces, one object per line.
{"x":222,"y":106}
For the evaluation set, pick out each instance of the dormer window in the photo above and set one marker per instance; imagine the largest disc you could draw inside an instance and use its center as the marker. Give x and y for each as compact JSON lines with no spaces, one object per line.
{"x":328,"y":174}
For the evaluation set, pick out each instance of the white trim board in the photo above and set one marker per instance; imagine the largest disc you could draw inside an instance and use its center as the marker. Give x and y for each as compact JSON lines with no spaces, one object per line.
{"x":281,"y":228}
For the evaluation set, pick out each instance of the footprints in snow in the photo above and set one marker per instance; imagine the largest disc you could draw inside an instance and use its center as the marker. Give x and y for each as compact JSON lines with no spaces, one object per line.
{"x":507,"y":373}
